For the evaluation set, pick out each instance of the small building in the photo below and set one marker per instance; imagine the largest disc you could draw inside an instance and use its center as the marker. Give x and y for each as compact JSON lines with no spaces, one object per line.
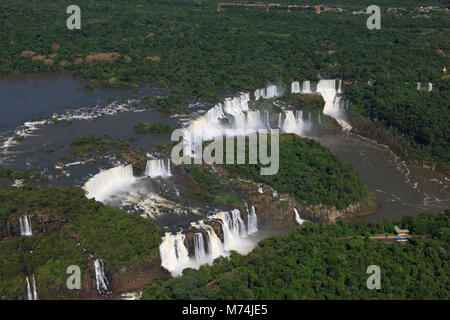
{"x":400,"y":231}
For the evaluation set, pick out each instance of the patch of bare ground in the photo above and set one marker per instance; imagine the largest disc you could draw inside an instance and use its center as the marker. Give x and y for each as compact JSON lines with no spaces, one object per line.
{"x":48,"y":62}
{"x":27,"y":53}
{"x":38,"y":58}
{"x":102,"y":57}
{"x":153,"y":58}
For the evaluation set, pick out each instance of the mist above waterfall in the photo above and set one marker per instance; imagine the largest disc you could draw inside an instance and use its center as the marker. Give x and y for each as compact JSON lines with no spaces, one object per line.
{"x":294,"y":123}
{"x":109,"y":182}
{"x":174,"y":252}
{"x":158,"y":168}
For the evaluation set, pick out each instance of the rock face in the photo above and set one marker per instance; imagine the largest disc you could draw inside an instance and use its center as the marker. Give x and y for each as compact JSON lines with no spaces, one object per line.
{"x":137,"y":276}
{"x":278,"y":212}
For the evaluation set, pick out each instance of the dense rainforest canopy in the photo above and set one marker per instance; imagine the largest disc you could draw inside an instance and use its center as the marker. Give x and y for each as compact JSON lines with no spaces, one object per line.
{"x":199,"y":50}
{"x":327,"y":261}
{"x":119,"y":237}
{"x":309,"y":172}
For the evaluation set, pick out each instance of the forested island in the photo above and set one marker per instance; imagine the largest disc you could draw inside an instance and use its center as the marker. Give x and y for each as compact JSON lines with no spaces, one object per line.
{"x":199,"y":53}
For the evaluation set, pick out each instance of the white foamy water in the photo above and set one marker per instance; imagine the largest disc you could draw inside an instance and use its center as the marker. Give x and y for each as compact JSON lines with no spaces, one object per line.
{"x":299,"y":220}
{"x":100,"y":277}
{"x":207,"y":245}
{"x":294,"y":123}
{"x":109,"y":182}
{"x":25,"y":226}
{"x":295,"y":87}
{"x":158,"y":168}
{"x":332,"y":108}
{"x":32,"y":293}
{"x":269,"y":92}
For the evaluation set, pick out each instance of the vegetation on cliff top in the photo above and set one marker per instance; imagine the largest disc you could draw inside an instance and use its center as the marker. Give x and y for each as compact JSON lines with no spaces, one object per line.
{"x":152,"y":127}
{"x":309,"y":172}
{"x":118,"y":237}
{"x":419,"y":120}
{"x":327,"y":261}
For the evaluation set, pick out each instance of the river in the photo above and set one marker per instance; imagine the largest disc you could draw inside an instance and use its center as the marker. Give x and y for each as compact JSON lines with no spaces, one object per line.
{"x":401,"y":189}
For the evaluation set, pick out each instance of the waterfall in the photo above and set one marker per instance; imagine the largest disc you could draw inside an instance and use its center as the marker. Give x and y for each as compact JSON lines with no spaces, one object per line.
{"x":418,"y":85}
{"x":340,"y":87}
{"x":234,"y":114}
{"x":327,"y":88}
{"x":106,"y":183}
{"x":32,"y":295}
{"x":100,"y":277}
{"x":174,"y":254}
{"x":252,"y":221}
{"x":158,"y":168}
{"x":430,"y":87}
{"x":199,"y":247}
{"x":237,"y":104}
{"x":174,"y":250}
{"x":35,"y":289}
{"x":25,"y":226}
{"x":271,"y":91}
{"x":295,"y":87}
{"x":306,"y":86}
{"x":295,"y":124}
{"x":29,"y":293}
{"x":299,"y":220}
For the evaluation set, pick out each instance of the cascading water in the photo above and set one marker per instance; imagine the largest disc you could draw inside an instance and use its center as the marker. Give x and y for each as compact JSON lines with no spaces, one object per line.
{"x":327,"y":88}
{"x":295,"y":87}
{"x":340,"y":91}
{"x":25,"y":226}
{"x":106,"y":183}
{"x":252,"y":221}
{"x":294,"y":123}
{"x":234,"y":115}
{"x":174,"y":247}
{"x":174,"y":254}
{"x":100,"y":277}
{"x":32,"y":295}
{"x":299,"y":220}
{"x":271,"y":91}
{"x":306,"y":86}
{"x":158,"y":168}
{"x":199,"y":247}
{"x":237,"y":104}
